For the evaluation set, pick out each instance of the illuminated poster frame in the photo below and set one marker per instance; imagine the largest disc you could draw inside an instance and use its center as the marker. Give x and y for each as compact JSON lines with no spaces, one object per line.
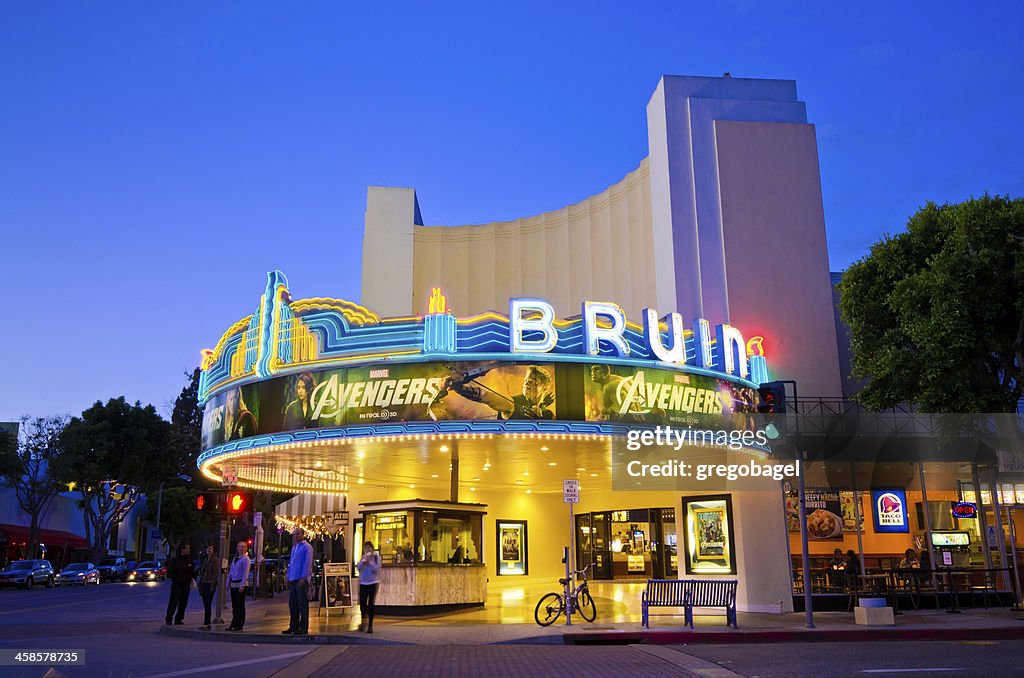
{"x":708,"y":540}
{"x":511,"y":545}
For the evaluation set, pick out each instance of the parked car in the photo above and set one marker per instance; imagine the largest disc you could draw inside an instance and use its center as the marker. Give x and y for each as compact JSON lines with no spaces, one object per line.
{"x":78,"y":573}
{"x":150,"y":570}
{"x":26,"y":573}
{"x":113,"y":569}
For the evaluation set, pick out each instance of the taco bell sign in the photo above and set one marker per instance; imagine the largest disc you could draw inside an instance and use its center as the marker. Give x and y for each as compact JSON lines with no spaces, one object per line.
{"x":889,"y":510}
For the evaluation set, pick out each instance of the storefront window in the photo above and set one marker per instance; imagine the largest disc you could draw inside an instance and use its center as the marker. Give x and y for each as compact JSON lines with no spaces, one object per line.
{"x":391,"y":533}
{"x":426,"y":536}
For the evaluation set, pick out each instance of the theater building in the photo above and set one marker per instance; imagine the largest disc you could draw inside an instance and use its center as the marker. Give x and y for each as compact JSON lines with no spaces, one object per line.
{"x":665,"y":299}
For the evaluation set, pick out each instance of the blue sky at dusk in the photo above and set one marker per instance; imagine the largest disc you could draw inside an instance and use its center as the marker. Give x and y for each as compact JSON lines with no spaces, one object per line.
{"x":156,"y":159}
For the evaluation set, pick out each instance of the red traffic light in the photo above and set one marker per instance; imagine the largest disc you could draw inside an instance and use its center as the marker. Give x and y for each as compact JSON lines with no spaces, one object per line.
{"x":207,"y":502}
{"x":239,"y":502}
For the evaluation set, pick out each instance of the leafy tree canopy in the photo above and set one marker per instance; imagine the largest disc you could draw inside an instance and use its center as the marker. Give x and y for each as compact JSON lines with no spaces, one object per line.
{"x":936,"y":314}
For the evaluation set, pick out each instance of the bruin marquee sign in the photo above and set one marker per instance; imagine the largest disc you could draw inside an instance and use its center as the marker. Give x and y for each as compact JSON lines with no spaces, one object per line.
{"x":284,"y":336}
{"x":536,"y":316}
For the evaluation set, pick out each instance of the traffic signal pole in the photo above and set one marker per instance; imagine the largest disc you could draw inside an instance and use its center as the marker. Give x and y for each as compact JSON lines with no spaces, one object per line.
{"x":222,"y":579}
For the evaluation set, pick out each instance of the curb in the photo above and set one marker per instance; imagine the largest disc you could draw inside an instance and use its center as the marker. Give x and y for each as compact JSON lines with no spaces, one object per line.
{"x":791,"y":636}
{"x":280,"y":639}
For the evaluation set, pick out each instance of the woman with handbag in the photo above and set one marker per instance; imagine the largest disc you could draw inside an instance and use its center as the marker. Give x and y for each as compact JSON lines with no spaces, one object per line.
{"x":238,"y":580}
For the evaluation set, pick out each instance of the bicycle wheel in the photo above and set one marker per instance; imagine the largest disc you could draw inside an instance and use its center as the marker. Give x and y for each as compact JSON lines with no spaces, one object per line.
{"x":549,"y":608}
{"x":587,"y":608}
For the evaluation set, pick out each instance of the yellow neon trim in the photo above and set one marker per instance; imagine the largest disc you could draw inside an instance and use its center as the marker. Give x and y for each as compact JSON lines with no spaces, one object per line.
{"x":352,"y":311}
{"x":232,"y":331}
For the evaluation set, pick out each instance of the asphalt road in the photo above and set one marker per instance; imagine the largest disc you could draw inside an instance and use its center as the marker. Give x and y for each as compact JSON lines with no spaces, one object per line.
{"x":116,"y":627}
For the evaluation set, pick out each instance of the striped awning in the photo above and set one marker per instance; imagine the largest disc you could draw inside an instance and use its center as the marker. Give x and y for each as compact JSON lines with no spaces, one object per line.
{"x":310,"y":505}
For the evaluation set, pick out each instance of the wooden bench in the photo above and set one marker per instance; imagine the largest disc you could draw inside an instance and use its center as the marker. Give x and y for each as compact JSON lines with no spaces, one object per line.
{"x":688,"y":594}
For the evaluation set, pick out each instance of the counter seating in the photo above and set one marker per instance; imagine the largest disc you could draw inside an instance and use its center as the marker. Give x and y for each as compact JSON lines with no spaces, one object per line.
{"x":688,"y":594}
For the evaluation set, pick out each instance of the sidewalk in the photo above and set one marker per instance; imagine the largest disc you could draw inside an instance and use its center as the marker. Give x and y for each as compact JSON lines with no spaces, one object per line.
{"x":503,"y":624}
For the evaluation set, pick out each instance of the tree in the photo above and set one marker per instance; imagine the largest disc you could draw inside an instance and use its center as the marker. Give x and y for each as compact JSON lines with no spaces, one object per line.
{"x":114,"y":453}
{"x":936,"y":314}
{"x":25,"y":466}
{"x":187,"y":427}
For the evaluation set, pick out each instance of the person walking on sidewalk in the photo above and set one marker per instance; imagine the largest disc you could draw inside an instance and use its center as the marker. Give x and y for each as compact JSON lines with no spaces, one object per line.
{"x":299,"y":575}
{"x":369,"y":578}
{"x":182,"y":574}
{"x":209,"y":573}
{"x":238,"y":582}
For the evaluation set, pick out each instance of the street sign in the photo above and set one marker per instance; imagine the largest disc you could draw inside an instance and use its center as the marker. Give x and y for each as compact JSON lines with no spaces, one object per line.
{"x":229,"y":476}
{"x":570,"y":491}
{"x":257,"y":519}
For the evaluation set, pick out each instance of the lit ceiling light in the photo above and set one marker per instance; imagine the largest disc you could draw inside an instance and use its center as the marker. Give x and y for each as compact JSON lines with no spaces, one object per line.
{"x":519,"y":482}
{"x":581,"y":469}
{"x":444,"y":448}
{"x":472,"y":489}
{"x":360,"y":481}
{"x":319,"y":464}
{"x":411,"y":486}
{"x":552,"y":463}
{"x":526,"y":473}
{"x":529,"y":492}
{"x":360,"y":455}
{"x":544,"y":449}
{"x":593,"y":475}
{"x":433,"y":475}
{"x":476,"y":479}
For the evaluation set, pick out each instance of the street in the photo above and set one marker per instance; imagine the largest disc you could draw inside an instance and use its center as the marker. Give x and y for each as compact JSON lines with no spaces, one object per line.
{"x":117,"y":626}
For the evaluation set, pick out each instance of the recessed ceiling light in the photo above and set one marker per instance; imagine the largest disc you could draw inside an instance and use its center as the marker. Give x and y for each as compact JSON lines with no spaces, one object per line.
{"x":544,"y":449}
{"x":360,"y":481}
{"x":472,"y":489}
{"x":593,"y":475}
{"x":319,"y":464}
{"x":412,"y":487}
{"x":433,"y":475}
{"x":476,"y":479}
{"x":444,"y":448}
{"x":360,"y":455}
{"x":552,"y":463}
{"x":526,"y":473}
{"x":529,"y":492}
{"x":519,"y":482}
{"x":581,"y":469}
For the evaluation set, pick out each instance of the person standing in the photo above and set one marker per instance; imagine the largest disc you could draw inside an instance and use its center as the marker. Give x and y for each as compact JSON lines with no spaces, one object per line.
{"x":209,"y":573}
{"x":182,"y":574}
{"x":299,"y":575}
{"x":369,"y":578}
{"x":238,"y":580}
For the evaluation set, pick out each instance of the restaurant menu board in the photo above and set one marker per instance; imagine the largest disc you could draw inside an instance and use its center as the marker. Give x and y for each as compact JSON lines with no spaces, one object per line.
{"x":511,"y":548}
{"x":337,"y":585}
{"x":829,"y":514}
{"x":709,"y":540}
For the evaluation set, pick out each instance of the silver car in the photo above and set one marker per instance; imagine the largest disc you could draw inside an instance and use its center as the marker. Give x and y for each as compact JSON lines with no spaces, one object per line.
{"x":78,"y":573}
{"x":27,"y":573}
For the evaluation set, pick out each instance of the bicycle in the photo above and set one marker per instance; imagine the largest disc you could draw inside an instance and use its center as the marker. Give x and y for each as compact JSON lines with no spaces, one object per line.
{"x":551,"y":606}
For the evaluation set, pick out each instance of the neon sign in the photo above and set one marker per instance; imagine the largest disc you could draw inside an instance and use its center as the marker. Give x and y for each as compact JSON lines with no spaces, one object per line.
{"x":535,"y":316}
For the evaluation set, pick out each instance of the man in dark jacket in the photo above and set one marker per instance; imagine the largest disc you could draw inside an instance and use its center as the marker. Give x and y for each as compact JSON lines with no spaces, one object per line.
{"x":182,"y":574}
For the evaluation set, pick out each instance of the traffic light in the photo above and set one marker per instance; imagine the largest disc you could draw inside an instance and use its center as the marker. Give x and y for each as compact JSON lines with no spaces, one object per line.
{"x":772,"y":398}
{"x":238,"y":502}
{"x":208,"y":502}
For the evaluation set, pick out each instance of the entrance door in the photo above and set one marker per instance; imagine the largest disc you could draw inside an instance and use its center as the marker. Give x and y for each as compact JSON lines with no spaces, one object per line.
{"x":663,"y":551}
{"x":601,"y":541}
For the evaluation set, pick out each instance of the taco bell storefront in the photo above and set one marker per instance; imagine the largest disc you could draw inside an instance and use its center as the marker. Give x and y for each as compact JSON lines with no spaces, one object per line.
{"x":448,"y":439}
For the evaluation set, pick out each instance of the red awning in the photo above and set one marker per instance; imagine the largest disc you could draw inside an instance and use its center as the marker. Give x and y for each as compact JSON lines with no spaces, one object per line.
{"x":12,"y":534}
